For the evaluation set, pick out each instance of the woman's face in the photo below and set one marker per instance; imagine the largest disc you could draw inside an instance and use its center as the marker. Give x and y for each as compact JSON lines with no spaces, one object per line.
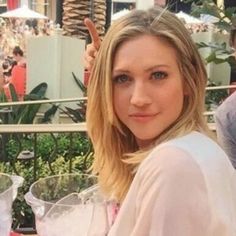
{"x":148,"y":89}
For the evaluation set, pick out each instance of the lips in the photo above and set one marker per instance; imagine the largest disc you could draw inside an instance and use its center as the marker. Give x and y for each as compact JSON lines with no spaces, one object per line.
{"x":142,"y":117}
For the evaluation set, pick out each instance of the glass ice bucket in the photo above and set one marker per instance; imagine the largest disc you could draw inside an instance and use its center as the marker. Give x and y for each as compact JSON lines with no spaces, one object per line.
{"x":68,"y":205}
{"x":8,"y":191}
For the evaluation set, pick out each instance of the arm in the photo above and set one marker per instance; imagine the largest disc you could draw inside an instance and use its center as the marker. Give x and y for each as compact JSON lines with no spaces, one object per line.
{"x":225,"y":119}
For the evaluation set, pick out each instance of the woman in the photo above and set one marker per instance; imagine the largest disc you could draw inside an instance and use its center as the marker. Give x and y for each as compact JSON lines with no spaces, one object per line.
{"x":153,"y":151}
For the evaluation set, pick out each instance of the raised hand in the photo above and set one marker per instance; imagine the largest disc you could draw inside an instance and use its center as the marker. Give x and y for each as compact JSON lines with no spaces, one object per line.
{"x":92,"y":48}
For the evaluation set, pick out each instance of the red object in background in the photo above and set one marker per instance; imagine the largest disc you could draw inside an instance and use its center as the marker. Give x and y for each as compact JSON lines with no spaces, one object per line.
{"x":15,"y":234}
{"x":18,"y":79}
{"x":12,"y":4}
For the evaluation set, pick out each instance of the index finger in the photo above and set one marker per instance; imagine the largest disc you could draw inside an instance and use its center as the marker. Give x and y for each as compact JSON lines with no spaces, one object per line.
{"x":93,"y":32}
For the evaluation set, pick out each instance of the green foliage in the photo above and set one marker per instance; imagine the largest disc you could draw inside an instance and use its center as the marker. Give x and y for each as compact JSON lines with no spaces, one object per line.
{"x":3,"y":97}
{"x":79,"y":114}
{"x":214,"y":97}
{"x":205,"y":7}
{"x":208,"y":7}
{"x":28,"y":112}
{"x":13,"y":93}
{"x":219,"y":52}
{"x":49,"y":114}
{"x":72,"y":154}
{"x":25,"y":114}
{"x":80,"y":84}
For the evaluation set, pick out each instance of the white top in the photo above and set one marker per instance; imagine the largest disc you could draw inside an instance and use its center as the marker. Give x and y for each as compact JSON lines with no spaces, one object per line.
{"x":185,"y":187}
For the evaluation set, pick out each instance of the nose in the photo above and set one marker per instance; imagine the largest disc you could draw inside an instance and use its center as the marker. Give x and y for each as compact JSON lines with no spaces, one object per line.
{"x":140,"y":96}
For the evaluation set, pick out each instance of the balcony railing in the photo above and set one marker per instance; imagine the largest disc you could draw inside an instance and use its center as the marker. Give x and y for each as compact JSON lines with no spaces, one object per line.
{"x":16,"y":132}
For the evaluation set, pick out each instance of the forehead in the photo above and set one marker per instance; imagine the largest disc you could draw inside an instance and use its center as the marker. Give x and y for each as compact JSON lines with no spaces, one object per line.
{"x":144,"y":48}
{"x":146,"y":39}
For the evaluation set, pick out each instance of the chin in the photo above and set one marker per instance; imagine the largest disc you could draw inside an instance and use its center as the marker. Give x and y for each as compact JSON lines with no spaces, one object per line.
{"x":146,"y":136}
{"x":144,"y":141}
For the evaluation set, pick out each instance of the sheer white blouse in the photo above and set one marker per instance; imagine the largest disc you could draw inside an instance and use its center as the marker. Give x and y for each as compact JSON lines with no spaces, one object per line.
{"x":185,"y":187}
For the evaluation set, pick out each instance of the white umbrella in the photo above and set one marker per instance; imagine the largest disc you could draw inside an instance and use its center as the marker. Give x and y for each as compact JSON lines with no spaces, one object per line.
{"x":188,"y":19}
{"x":22,"y":12}
{"x":119,"y":14}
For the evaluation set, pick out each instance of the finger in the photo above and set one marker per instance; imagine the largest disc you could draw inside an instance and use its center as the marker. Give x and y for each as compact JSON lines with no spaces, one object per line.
{"x":93,"y":32}
{"x":88,"y":58}
{"x":91,"y":50}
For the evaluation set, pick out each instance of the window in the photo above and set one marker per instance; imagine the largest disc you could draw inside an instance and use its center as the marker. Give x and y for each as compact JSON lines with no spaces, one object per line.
{"x":3,"y":6}
{"x":41,"y":6}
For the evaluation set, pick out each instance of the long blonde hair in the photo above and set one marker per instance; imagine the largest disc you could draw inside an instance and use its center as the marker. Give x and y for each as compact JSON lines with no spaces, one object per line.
{"x":116,"y":152}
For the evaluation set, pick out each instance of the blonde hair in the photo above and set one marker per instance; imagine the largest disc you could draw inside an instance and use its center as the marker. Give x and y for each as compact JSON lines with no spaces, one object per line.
{"x":116,"y":152}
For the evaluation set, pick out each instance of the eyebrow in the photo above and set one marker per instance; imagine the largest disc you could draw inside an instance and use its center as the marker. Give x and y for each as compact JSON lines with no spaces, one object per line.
{"x":157,"y":66}
{"x":117,"y":71}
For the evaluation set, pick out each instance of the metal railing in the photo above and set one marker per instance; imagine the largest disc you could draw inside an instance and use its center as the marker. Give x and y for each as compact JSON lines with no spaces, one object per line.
{"x":15,"y":132}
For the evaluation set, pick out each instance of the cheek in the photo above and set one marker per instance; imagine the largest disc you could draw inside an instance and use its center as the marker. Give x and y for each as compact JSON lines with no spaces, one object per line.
{"x":173,"y":99}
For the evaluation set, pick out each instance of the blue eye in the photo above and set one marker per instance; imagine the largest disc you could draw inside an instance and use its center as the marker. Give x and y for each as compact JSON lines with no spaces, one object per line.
{"x":159,"y":75}
{"x":119,"y":79}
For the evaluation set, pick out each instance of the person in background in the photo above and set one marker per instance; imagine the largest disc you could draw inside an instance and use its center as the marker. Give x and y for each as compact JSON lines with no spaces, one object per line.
{"x":18,"y":77}
{"x":153,"y":152}
{"x":232,"y":61}
{"x":18,"y":56}
{"x":225,"y":115}
{"x":225,"y":118}
{"x":7,"y":66}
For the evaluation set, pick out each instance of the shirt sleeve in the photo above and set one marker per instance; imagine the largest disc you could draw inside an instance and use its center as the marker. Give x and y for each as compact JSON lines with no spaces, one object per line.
{"x":226,"y":131}
{"x":173,"y":199}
